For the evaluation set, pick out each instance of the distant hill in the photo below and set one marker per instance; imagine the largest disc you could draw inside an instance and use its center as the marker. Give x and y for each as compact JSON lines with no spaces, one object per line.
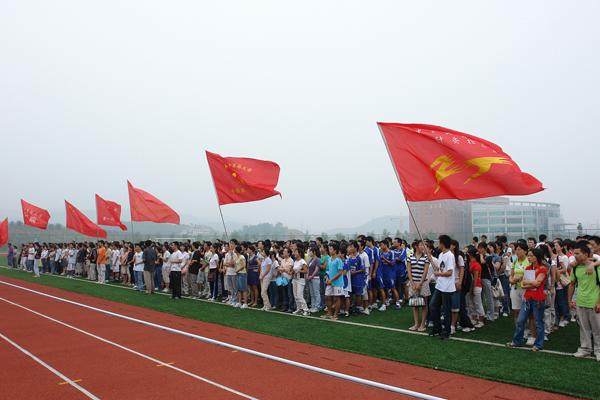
{"x":389,"y":223}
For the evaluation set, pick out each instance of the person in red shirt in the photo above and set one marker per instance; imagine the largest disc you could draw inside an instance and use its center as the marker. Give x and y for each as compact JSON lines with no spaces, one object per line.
{"x":474,"y":302}
{"x":535,"y":299}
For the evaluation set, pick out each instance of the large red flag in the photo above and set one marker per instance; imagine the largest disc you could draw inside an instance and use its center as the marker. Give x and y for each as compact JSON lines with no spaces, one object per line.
{"x":435,"y":163}
{"x":77,"y":221}
{"x":108,"y":213}
{"x":146,"y":207}
{"x":4,"y":232}
{"x":34,"y":216}
{"x":239,"y":180}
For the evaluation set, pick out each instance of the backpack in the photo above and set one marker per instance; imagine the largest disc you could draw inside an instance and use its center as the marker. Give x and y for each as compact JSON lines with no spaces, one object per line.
{"x":595,"y":273}
{"x":467,"y":281}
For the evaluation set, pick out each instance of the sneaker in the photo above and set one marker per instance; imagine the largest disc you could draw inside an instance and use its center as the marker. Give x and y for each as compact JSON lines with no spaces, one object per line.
{"x":581,"y":354}
{"x":546,"y":338}
{"x":346,"y":314}
{"x":398,"y":305}
{"x":573,"y":319}
{"x":479,"y":324}
{"x":211,"y":299}
{"x":467,"y":330}
{"x":165,"y":290}
{"x":382,"y":308}
{"x":298,"y":311}
{"x":236,"y":305}
{"x":530,"y":341}
{"x":452,"y":330}
{"x":366,"y":312}
{"x":563,"y":323}
{"x":305,"y":313}
{"x":244,"y":306}
{"x":504,"y":314}
{"x":387,"y":302}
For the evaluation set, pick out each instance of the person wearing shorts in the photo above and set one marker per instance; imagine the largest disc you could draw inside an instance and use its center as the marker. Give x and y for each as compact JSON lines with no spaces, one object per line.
{"x":241,"y":277}
{"x":334,"y":289}
{"x":516,"y":276}
{"x":387,"y":277}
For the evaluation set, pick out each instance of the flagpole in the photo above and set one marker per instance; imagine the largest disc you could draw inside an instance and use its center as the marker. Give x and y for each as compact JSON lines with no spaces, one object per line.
{"x":218,"y":205}
{"x":400,"y":182}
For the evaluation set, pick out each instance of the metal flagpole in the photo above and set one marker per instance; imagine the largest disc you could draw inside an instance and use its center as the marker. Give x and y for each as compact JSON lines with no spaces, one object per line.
{"x":218,"y":205}
{"x":400,"y":182}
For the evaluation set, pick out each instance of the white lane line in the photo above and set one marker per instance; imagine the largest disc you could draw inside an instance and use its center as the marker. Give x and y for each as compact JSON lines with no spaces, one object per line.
{"x":51,"y":369}
{"x":154,"y":360}
{"x":271,"y":357}
{"x":338,"y":321}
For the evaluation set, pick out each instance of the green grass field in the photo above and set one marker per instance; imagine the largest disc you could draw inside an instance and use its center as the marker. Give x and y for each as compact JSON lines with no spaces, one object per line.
{"x":551,"y":372}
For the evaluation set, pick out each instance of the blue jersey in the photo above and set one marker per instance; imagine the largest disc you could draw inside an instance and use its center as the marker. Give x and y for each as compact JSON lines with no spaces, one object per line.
{"x":389,"y":256}
{"x":355,"y":264}
{"x":333,"y":267}
{"x":400,"y":257}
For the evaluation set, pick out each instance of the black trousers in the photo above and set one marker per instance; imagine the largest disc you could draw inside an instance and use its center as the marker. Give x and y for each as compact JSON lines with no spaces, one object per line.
{"x":441,"y":301}
{"x":175,"y":278}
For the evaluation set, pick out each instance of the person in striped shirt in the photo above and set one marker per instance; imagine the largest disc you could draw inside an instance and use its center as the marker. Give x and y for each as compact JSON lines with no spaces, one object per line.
{"x":418,"y":269}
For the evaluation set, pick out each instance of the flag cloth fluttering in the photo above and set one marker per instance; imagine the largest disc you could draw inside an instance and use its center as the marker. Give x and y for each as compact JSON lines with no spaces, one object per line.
{"x":436,"y":163}
{"x":78,"y":222}
{"x":34,"y":216}
{"x":4,"y":232}
{"x":146,"y":207}
{"x":239,"y":179}
{"x":108,"y":213}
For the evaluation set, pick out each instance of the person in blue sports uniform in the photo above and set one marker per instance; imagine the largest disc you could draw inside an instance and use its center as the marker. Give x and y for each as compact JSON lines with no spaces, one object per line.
{"x":346,"y":278}
{"x":401,"y":273}
{"x":387,"y":276}
{"x":373,"y":253}
{"x":357,"y":273}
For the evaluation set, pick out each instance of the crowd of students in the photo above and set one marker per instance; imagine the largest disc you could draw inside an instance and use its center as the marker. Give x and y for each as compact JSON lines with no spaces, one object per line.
{"x":545,"y":285}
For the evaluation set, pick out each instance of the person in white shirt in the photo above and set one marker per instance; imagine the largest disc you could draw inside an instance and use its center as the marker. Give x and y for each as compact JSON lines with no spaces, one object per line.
{"x":138,"y":268}
{"x":175,"y":260}
{"x":230,"y":274}
{"x":445,"y":287}
{"x":213,"y":265}
{"x":166,"y":268}
{"x":299,"y":281}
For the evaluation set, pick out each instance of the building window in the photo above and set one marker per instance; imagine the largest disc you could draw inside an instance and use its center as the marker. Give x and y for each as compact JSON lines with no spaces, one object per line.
{"x":514,"y":221}
{"x":480,"y":221}
{"x":497,"y":221}
{"x":496,"y":213}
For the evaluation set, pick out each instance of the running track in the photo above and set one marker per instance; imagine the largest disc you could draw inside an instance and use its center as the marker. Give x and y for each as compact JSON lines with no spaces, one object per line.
{"x":107,"y":357}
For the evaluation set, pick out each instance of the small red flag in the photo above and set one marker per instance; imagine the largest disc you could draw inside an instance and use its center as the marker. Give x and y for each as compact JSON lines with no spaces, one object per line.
{"x":4,"y":232}
{"x":78,"y":222}
{"x":436,"y":163}
{"x":34,"y":216}
{"x":146,"y":207}
{"x":108,"y":213}
{"x":239,"y":180}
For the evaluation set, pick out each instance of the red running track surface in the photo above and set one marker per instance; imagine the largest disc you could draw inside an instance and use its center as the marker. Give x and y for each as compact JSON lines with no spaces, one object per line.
{"x":124,"y":374}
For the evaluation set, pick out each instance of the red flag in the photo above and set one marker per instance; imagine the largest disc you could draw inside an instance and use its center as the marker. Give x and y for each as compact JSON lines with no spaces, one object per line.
{"x":146,"y":207}
{"x":108,"y":213}
{"x":77,"y":221}
{"x":4,"y":232}
{"x":435,"y":163}
{"x":239,"y":180}
{"x":34,"y":216}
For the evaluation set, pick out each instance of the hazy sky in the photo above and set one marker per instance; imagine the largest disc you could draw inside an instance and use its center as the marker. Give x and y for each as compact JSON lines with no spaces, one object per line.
{"x":95,"y":93}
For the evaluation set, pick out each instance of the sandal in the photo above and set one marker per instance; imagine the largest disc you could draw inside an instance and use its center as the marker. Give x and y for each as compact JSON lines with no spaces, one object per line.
{"x":422,"y":329}
{"x":413,"y":328}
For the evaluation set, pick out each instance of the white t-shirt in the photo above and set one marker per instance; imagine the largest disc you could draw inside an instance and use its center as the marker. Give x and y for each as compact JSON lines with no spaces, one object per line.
{"x":213,"y":263}
{"x":447,"y":263}
{"x":364,"y":259}
{"x":175,"y":256}
{"x":31,"y":254}
{"x":274,"y":267}
{"x":298,"y":265}
{"x":138,"y":264}
{"x":166,"y":256}
{"x":230,"y":267}
{"x":185,"y":259}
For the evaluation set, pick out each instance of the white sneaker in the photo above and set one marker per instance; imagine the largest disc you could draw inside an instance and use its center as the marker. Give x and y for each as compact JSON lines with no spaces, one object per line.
{"x":573,"y":319}
{"x":244,"y":306}
{"x":298,"y":311}
{"x":398,"y":305}
{"x":563,"y":323}
{"x":165,"y":290}
{"x":581,"y":354}
{"x":530,"y":341}
{"x":479,"y":324}
{"x":452,"y":330}
{"x":467,"y":330}
{"x":366,"y":312}
{"x":236,"y":305}
{"x":382,"y":308}
{"x":504,"y":314}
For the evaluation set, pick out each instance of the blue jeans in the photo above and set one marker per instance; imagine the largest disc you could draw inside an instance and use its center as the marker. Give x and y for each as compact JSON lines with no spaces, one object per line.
{"x":29,"y":265}
{"x":273,"y":294}
{"x":290,"y":296}
{"x":52,"y":267}
{"x":322,"y":292}
{"x":536,"y":308}
{"x":139,"y":280}
{"x":562,"y":304}
{"x":504,"y":281}
{"x":158,"y":277}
